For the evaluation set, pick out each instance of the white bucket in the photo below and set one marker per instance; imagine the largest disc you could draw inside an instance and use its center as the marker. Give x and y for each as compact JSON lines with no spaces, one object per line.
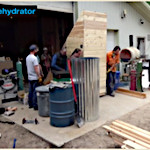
{"x":129,"y":54}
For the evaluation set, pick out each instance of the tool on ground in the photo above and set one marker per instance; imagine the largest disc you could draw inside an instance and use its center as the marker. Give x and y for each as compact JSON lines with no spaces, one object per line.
{"x":8,"y":85}
{"x":80,"y":121}
{"x":9,"y":113}
{"x":11,"y":108}
{"x":30,"y":121}
{"x":8,"y":122}
{"x":14,"y":144}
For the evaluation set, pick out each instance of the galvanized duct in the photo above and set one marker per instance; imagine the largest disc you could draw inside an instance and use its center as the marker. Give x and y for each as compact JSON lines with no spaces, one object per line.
{"x":86,"y":78}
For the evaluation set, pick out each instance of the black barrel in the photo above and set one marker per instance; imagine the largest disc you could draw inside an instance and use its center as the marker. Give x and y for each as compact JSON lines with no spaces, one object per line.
{"x":62,"y":109}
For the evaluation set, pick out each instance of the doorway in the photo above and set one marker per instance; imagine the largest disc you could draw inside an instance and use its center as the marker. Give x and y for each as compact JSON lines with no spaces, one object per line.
{"x":141,"y":45}
{"x":112,"y":39}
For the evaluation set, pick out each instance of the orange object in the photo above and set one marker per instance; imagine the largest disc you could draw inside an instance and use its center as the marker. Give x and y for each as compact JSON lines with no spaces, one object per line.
{"x":40,"y":79}
{"x":112,"y":60}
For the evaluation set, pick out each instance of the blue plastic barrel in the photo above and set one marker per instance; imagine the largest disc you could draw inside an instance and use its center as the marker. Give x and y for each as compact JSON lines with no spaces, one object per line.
{"x":62,"y":108}
{"x":117,"y":80}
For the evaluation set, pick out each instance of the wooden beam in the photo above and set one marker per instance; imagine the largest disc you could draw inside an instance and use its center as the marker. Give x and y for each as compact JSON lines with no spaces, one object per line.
{"x":131,"y":93}
{"x":126,"y":147}
{"x":126,"y":136}
{"x":131,"y":134}
{"x":94,"y":14}
{"x":131,"y":130}
{"x":133,"y":127}
{"x":133,"y":145}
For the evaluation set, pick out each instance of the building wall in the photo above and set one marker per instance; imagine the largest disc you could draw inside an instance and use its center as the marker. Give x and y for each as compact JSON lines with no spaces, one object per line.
{"x":47,"y":5}
{"x":130,"y":25}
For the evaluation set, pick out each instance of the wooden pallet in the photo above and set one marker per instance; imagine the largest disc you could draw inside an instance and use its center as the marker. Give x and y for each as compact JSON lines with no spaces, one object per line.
{"x":128,"y":136}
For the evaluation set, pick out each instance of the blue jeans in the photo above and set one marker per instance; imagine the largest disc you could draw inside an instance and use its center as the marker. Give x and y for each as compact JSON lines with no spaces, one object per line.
{"x":32,"y":98}
{"x":110,"y":82}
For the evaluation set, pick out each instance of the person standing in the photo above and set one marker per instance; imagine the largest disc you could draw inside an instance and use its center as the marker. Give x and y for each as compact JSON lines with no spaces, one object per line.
{"x":113,"y":58}
{"x":76,"y":53}
{"x":45,"y":61}
{"x":33,"y":76}
{"x":59,"y":61}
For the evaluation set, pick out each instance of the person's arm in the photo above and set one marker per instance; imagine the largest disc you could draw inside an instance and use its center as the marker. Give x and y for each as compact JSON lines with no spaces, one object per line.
{"x":37,"y":70}
{"x":110,"y":60}
{"x":54,"y":65}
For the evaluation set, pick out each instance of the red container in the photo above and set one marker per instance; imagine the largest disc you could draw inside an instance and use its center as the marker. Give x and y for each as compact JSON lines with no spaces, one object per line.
{"x":133,"y":80}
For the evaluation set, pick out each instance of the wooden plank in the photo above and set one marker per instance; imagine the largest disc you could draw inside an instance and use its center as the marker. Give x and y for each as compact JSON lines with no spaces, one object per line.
{"x":100,"y":45}
{"x":78,"y":28}
{"x":94,"y":25}
{"x":133,"y":130}
{"x":126,"y":147}
{"x":79,"y":23}
{"x":71,"y":40}
{"x":126,"y":136}
{"x":93,"y":32}
{"x":96,"y":53}
{"x":94,"y":14}
{"x":133,"y":144}
{"x":117,"y":139}
{"x":91,"y":18}
{"x":133,"y":127}
{"x":77,"y":33}
{"x":130,"y":132}
{"x":131,"y":93}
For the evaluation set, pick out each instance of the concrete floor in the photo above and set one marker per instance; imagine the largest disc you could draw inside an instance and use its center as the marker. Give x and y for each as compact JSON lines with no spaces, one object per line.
{"x":110,"y":108}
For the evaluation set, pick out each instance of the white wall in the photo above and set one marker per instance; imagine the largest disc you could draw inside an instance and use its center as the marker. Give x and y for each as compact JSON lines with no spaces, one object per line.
{"x":127,"y":26}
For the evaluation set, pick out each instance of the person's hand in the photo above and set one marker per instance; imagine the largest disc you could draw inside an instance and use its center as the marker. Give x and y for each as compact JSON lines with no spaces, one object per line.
{"x":40,"y":79}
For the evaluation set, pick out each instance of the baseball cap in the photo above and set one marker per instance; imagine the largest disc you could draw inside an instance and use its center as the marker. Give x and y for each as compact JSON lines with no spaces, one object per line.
{"x":33,"y":47}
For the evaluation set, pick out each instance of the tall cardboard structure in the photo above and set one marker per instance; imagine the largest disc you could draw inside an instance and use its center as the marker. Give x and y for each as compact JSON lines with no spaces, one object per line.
{"x":90,"y":31}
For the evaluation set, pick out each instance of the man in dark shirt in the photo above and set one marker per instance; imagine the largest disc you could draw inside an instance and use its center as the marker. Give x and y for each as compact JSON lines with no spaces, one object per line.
{"x":59,"y":61}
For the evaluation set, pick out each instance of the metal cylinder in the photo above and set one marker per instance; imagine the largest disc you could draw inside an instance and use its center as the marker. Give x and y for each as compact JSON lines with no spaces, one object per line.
{"x":43,"y":100}
{"x":129,"y":54}
{"x":86,"y":78}
{"x":133,"y":80}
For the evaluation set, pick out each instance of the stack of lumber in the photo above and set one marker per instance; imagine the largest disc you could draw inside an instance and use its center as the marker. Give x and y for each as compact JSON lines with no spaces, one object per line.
{"x":90,"y":31}
{"x":128,"y":136}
